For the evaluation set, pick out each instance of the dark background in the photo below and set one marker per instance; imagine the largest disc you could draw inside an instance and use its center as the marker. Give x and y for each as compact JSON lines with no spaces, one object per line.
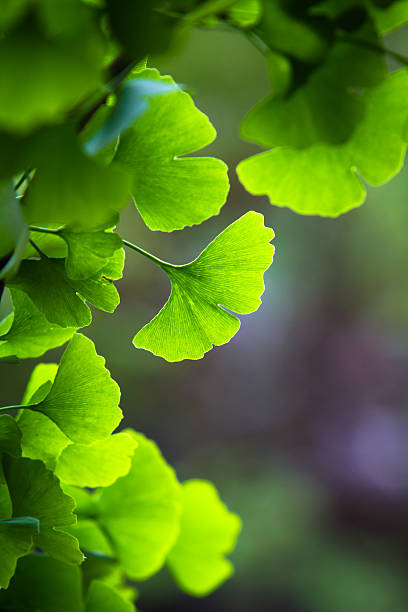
{"x":301,"y":420}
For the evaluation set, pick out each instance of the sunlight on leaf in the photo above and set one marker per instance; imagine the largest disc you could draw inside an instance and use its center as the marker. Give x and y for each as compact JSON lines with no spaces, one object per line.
{"x":227,"y":274}
{"x":168,"y":189}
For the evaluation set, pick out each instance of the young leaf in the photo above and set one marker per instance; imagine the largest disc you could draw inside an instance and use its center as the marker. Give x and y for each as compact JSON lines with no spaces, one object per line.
{"x":227,"y":274}
{"x":98,"y":464}
{"x":140,"y":512}
{"x":208,"y":532}
{"x":103,"y":598}
{"x":43,"y":584}
{"x":168,"y":189}
{"x":27,"y":332}
{"x":36,"y":492}
{"x":322,"y":179}
{"x":83,"y":400}
{"x":88,"y":252}
{"x":16,"y":540}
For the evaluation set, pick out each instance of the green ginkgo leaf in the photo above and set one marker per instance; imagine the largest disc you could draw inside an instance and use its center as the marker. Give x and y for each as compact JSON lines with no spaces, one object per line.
{"x":62,"y":299}
{"x":16,"y":540}
{"x":45,"y":282}
{"x":98,"y":464}
{"x":168,"y":189}
{"x":26,"y":332}
{"x":228,"y":274}
{"x":208,"y":532}
{"x":141,"y":511}
{"x":88,"y":252}
{"x":322,"y":179}
{"x":35,"y":491}
{"x":84,"y":400}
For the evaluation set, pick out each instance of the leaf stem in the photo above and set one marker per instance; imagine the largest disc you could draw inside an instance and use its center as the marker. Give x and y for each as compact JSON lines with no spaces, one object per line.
{"x":37,"y":248}
{"x":156,"y":260}
{"x":43,"y":230}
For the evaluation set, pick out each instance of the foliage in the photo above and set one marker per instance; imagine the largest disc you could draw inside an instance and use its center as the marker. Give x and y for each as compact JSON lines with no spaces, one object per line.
{"x":85,"y":126}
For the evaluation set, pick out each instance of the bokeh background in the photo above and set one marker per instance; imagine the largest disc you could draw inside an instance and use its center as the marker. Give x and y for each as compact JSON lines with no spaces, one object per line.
{"x":301,"y":420}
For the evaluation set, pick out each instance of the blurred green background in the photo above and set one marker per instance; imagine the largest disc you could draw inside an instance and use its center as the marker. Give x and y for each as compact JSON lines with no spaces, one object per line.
{"x":301,"y":420}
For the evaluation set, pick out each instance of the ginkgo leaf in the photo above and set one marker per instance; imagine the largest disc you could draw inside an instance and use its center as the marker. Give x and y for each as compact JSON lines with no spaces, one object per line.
{"x":141,"y":511}
{"x":98,"y":464}
{"x":36,"y":492}
{"x":84,"y":400}
{"x":227,"y":274}
{"x":27,"y":332}
{"x":47,"y":285}
{"x":322,"y":179}
{"x":43,"y":584}
{"x":208,"y":532}
{"x":59,"y":298}
{"x":326,"y":107}
{"x":16,"y":540}
{"x":168,"y":189}
{"x":13,"y":230}
{"x":88,"y":252}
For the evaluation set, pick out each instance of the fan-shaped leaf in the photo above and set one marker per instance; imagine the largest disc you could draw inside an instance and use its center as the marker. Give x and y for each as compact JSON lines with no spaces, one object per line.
{"x":227,"y":274}
{"x":208,"y":532}
{"x":322,"y":179}
{"x":141,"y":511}
{"x":83,"y":400}
{"x":168,"y":189}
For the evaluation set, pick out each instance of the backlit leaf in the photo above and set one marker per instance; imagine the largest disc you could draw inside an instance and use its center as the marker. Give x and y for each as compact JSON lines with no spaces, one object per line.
{"x":88,"y":252}
{"x":208,"y":532}
{"x":323,"y":179}
{"x":141,"y":511}
{"x":228,"y":274}
{"x":98,"y":464}
{"x":83,"y":400}
{"x":168,"y":189}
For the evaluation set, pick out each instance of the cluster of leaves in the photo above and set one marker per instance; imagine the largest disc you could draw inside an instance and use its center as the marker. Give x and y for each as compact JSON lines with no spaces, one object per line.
{"x":137,"y":517}
{"x":85,"y":127}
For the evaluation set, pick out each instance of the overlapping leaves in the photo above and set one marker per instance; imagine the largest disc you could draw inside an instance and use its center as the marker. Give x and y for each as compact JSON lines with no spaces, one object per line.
{"x":333,"y":114}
